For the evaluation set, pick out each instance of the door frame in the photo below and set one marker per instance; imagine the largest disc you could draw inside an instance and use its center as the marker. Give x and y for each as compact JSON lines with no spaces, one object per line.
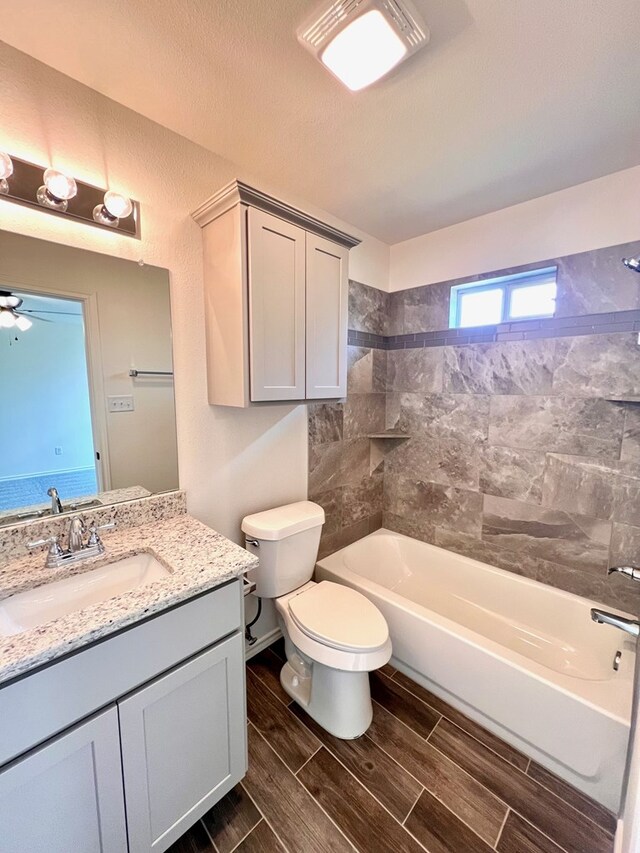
{"x":93,"y":353}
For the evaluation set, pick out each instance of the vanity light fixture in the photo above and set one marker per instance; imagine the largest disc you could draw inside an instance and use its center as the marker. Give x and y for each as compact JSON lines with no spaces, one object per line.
{"x":59,"y":194}
{"x":360,"y":41}
{"x":114,"y":208}
{"x":6,"y":170}
{"x":57,"y":190}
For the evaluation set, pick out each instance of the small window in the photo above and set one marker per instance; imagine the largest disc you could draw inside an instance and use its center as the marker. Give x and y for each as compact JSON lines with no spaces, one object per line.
{"x":499,"y":300}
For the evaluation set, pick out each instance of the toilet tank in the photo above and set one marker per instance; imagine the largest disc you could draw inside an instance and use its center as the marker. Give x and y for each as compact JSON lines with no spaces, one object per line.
{"x":285,"y":540}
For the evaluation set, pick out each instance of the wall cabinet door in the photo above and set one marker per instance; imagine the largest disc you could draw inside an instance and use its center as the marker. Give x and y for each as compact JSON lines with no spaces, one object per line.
{"x":183,"y":745}
{"x":276,"y":308}
{"x":67,"y":795}
{"x":327,"y":317}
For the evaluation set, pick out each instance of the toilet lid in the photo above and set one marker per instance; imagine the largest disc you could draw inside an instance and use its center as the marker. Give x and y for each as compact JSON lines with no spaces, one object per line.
{"x":339,"y":617}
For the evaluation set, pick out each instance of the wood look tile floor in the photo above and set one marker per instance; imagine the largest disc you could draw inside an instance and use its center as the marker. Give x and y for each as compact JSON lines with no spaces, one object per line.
{"x":423,"y":778}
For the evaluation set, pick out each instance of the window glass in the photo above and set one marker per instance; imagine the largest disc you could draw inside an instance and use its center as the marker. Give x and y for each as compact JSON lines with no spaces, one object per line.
{"x":480,"y":307}
{"x":499,"y":300}
{"x":534,"y":300}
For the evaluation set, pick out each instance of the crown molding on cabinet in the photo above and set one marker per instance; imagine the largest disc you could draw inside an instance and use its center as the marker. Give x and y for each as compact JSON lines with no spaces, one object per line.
{"x":238,"y":192}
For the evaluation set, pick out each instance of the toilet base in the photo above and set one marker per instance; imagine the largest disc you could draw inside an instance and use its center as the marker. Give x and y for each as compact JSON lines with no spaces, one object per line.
{"x":339,"y":701}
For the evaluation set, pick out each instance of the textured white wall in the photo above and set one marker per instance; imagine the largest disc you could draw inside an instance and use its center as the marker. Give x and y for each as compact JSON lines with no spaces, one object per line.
{"x":588,"y":216}
{"x":231,"y":462}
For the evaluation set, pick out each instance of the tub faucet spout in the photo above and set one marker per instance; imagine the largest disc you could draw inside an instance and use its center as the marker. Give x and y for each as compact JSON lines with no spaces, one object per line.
{"x":603,"y":617}
{"x":632,"y":572}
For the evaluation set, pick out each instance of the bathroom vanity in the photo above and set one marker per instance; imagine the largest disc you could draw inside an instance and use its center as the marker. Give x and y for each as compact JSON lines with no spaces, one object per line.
{"x":124,"y":722}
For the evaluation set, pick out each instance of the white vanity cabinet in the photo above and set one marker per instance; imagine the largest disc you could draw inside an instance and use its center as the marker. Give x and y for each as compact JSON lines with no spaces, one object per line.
{"x":182,"y":738}
{"x":127,"y":743}
{"x":276,"y":300}
{"x":67,"y":795}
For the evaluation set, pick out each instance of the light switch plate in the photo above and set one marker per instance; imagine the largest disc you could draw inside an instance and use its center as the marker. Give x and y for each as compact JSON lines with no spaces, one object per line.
{"x":120,"y":404}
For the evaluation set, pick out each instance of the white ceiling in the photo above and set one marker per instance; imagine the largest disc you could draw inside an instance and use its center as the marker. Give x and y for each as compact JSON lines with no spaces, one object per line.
{"x":512,"y":99}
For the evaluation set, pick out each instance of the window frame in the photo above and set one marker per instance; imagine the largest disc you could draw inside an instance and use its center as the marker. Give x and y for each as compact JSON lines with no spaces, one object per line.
{"x":507,"y":284}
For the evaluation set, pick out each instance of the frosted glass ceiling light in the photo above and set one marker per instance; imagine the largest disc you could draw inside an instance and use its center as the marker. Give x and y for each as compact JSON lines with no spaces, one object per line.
{"x":9,"y":315}
{"x":7,"y":320}
{"x":58,"y":188}
{"x":23,"y":323}
{"x":6,"y":170}
{"x":360,"y":41}
{"x":114,"y":208}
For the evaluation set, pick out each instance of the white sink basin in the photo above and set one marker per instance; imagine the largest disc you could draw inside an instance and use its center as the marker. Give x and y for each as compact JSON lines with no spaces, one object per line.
{"x":43,"y":604}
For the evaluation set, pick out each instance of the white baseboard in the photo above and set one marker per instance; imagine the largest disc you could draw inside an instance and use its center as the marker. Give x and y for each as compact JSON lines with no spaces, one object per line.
{"x":47,"y":473}
{"x":262,"y":643}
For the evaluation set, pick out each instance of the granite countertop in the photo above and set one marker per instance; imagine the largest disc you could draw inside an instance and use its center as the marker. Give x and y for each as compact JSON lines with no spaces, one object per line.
{"x":29,"y":513}
{"x":198,"y":559}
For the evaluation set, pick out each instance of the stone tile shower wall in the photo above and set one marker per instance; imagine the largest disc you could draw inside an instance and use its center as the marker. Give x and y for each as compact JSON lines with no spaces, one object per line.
{"x":339,"y":449}
{"x":516,"y":455}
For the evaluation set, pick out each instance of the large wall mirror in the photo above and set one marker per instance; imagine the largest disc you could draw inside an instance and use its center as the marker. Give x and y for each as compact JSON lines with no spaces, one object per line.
{"x":87,"y":411}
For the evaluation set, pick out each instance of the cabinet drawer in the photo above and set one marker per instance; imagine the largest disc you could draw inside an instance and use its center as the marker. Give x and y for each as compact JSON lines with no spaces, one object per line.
{"x":49,"y":700}
{"x":183,"y":745}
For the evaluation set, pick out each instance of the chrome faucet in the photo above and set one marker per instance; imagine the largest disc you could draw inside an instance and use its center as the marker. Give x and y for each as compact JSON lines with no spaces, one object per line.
{"x":632,"y":572}
{"x":603,"y":617}
{"x":56,"y":503}
{"x":77,"y":549}
{"x":76,"y":532}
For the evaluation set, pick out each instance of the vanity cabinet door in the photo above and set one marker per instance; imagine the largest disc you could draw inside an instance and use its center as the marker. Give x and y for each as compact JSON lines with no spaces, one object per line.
{"x":276,"y":308}
{"x":183,"y":745}
{"x":327,"y":318}
{"x":66,"y":795}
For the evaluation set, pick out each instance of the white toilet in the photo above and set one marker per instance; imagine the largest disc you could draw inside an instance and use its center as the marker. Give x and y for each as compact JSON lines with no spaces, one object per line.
{"x":334,"y":636}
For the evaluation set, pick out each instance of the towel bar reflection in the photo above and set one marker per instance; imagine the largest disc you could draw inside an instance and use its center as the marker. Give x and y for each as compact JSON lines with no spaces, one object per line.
{"x":135,"y":373}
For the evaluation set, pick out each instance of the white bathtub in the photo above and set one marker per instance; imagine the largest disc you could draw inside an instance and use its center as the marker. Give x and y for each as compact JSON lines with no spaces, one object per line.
{"x":521,"y":658}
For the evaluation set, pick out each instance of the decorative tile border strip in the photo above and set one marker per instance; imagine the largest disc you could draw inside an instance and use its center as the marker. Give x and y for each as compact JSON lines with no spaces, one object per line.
{"x":367,"y":339}
{"x":522,"y":330}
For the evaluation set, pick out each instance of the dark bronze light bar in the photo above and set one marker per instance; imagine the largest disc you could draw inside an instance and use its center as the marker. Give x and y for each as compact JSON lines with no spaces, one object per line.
{"x":25,"y":185}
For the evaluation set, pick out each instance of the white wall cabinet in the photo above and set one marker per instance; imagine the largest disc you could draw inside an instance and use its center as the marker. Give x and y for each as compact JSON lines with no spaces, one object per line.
{"x":277,"y":287}
{"x":182,"y":745}
{"x":67,"y":795}
{"x":135,"y":776}
{"x":327,"y":311}
{"x":276,"y":300}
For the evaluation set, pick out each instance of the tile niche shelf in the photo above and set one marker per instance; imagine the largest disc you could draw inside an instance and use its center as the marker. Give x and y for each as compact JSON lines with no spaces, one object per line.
{"x":380,"y":443}
{"x":630,"y":401}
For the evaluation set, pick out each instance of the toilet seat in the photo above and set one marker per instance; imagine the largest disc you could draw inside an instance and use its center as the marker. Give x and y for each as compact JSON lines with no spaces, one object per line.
{"x":339,"y":617}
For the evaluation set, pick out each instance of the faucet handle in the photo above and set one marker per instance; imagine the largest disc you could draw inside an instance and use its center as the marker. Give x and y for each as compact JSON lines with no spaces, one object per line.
{"x":632,"y":572}
{"x":94,"y":536}
{"x":52,"y":541}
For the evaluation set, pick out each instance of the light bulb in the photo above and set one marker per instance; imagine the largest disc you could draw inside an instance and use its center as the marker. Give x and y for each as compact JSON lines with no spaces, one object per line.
{"x":7,"y":320}
{"x":6,"y":165}
{"x":118,"y":205}
{"x":23,"y":323}
{"x":6,"y":170}
{"x":112,"y":209}
{"x":58,"y":188}
{"x":60,"y":185}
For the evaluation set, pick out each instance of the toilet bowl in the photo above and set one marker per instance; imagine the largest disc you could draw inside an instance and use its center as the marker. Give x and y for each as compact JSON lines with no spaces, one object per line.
{"x":334,"y":636}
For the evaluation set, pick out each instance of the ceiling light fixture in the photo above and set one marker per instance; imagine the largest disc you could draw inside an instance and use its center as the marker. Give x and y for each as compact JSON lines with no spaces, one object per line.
{"x":360,"y":41}
{"x":9,"y":314}
{"x":114,"y":208}
{"x":58,"y":188}
{"x":6,"y":170}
